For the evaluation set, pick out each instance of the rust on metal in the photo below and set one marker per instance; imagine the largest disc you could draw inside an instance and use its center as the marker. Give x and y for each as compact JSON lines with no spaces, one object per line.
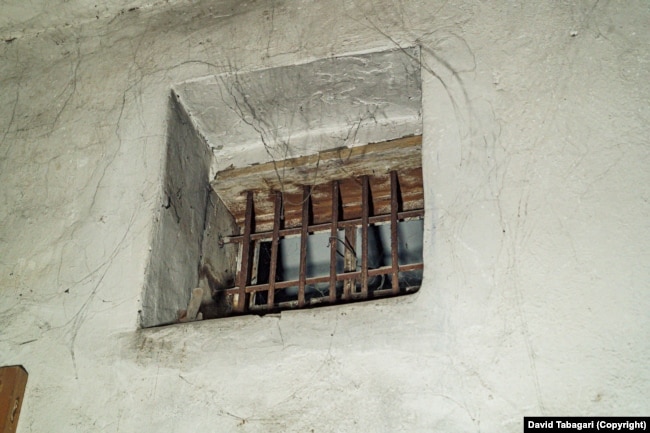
{"x":349,"y":259}
{"x":244,"y":271}
{"x":346,"y":276}
{"x":304,"y":233}
{"x":365,"y":213}
{"x":394,"y":208}
{"x":313,"y":228}
{"x":334,"y":239}
{"x":274,"y":248}
{"x":387,"y":189}
{"x":376,"y":160}
{"x":373,"y":159}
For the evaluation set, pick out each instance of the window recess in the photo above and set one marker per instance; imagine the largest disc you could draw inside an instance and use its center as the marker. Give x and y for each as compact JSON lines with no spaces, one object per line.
{"x":340,"y":226}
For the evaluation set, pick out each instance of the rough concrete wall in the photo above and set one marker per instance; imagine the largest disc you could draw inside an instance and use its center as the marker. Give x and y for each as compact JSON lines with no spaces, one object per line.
{"x":173,"y":269}
{"x":537,"y":234}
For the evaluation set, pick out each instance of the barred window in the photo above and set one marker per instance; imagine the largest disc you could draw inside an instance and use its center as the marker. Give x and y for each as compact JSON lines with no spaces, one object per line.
{"x":340,"y":226}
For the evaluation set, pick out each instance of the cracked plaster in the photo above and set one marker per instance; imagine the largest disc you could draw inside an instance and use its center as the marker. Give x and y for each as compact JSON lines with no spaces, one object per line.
{"x":236,"y":120}
{"x":287,"y":112}
{"x":535,"y":300}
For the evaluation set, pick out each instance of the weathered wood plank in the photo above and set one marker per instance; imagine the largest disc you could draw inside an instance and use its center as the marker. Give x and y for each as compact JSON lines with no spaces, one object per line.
{"x":347,"y":165}
{"x":13,"y":381}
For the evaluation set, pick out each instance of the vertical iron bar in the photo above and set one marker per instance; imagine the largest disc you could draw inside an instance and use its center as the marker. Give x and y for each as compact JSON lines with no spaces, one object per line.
{"x":365,"y":211}
{"x":394,"y":208}
{"x":277,"y":213}
{"x":254,"y":269}
{"x":244,"y":272}
{"x":350,"y":259}
{"x":255,"y":249}
{"x":334,"y":239}
{"x":304,"y":232}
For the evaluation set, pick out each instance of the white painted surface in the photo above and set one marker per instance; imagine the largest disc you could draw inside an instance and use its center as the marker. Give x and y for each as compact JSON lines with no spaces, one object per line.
{"x":241,"y":119}
{"x":291,"y":111}
{"x":537,"y":236}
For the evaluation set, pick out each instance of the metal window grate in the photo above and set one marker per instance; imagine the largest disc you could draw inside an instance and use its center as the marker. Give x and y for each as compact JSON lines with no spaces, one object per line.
{"x":261,"y":286}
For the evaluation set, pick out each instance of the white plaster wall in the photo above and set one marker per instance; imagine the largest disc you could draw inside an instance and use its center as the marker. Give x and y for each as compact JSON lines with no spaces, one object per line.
{"x":279,"y":113}
{"x":20,"y":18}
{"x":537,"y":240}
{"x":241,"y":119}
{"x":175,"y":248}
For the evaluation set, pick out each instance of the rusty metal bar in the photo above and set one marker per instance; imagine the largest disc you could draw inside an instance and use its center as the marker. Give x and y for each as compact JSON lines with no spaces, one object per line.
{"x":416,"y":213}
{"x":394,"y":205}
{"x":347,"y":276}
{"x":334,"y":239}
{"x":277,"y":214}
{"x":350,"y":259}
{"x":304,"y":233}
{"x":365,"y":212}
{"x":355,"y":275}
{"x":255,"y":249}
{"x":244,"y":271}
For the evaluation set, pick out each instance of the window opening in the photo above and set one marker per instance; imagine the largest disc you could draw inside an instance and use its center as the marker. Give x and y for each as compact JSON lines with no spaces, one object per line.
{"x":347,"y":229}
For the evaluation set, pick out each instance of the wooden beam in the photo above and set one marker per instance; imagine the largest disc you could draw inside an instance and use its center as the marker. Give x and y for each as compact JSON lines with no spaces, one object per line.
{"x":343,"y":156}
{"x":318,"y":170}
{"x":13,"y":381}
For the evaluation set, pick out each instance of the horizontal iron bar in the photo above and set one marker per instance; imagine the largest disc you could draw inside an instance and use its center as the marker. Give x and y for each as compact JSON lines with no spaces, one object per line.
{"x":326,"y":300}
{"x":416,"y":213}
{"x":384,"y":270}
